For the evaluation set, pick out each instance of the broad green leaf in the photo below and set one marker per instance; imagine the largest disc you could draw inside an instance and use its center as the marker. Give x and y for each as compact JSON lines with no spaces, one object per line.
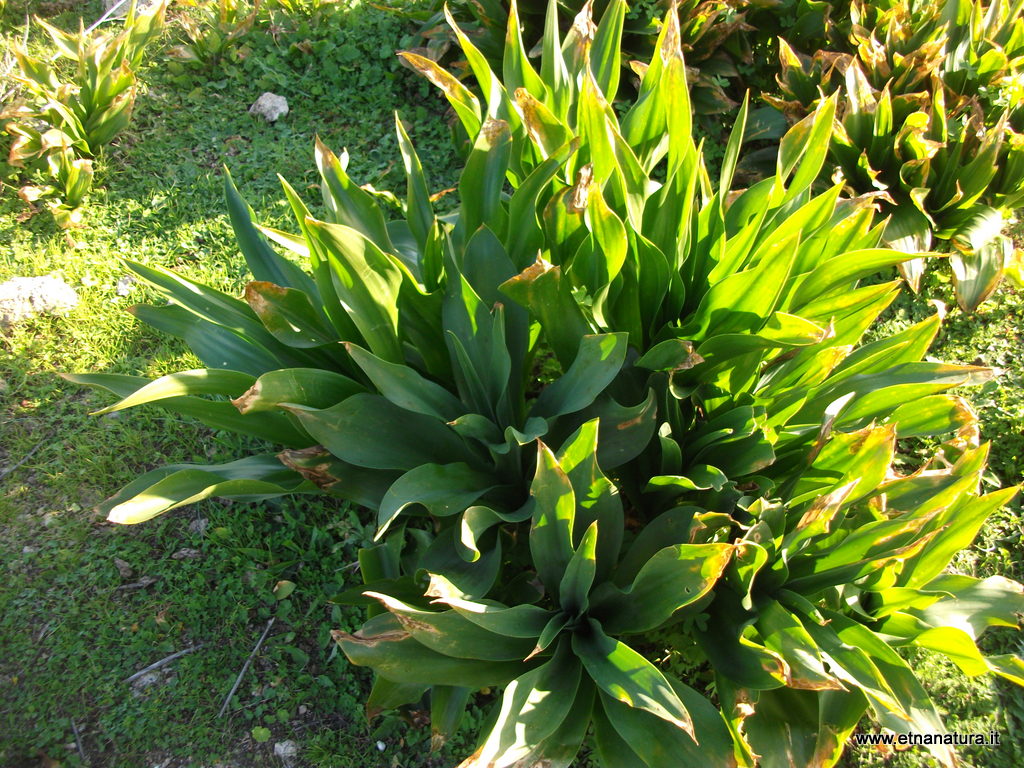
{"x":471,"y":577}
{"x":743,"y":301}
{"x":782,"y":632}
{"x":673,"y":578}
{"x":976,"y":273}
{"x":289,"y":315}
{"x":347,"y":203}
{"x":443,"y":489}
{"x":574,"y":589}
{"x":465,"y":104}
{"x":973,"y":605}
{"x":625,"y":430}
{"x":604,"y":53}
{"x":522,"y":620}
{"x":668,"y":529}
{"x":598,"y":361}
{"x":419,"y":211}
{"x":542,"y":289}
{"x":957,"y":646}
{"x":366,"y":281}
{"x":406,"y":388}
{"x":609,"y":747}
{"x":526,"y":238}
{"x":532,"y":707}
{"x":482,"y":180}
{"x":311,"y":387}
{"x":841,"y":271}
{"x":517,"y":72}
{"x":447,"y":708}
{"x":360,"y":485}
{"x":659,"y":744}
{"x":597,"y":499}
{"x":808,"y":141}
{"x":449,"y":633}
{"x":211,"y":305}
{"x":261,"y":259}
{"x":274,"y":427}
{"x":251,"y":479}
{"x":932,"y":416}
{"x":202,"y":381}
{"x":908,"y":709}
{"x":878,"y":394}
{"x":628,"y":677}
{"x":370,"y":431}
{"x":394,"y":654}
{"x":743,"y":662}
{"x":548,"y":133}
{"x":554,"y":513}
{"x":386,"y":695}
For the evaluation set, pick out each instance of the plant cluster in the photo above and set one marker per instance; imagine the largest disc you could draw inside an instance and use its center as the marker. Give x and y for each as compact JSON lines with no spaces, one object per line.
{"x":710,"y":452}
{"x":65,"y":118}
{"x":212,"y":29}
{"x":928,"y":123}
{"x":712,"y":35}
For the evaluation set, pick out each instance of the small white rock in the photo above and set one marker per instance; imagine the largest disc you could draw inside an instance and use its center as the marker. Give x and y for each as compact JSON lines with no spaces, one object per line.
{"x":287,"y":751}
{"x":124,"y":285}
{"x":381,"y":746}
{"x":270,"y":107}
{"x":22,"y":297}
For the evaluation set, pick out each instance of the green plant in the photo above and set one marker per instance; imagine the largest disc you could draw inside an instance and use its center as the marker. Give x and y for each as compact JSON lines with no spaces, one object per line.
{"x":725,"y":443}
{"x":712,"y":35}
{"x":912,"y":131}
{"x":212,"y":29}
{"x":67,"y":121}
{"x":72,"y":181}
{"x":95,"y":105}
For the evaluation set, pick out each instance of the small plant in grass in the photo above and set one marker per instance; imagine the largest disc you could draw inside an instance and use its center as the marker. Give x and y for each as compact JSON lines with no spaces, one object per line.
{"x":212,"y":29}
{"x":714,"y":457}
{"x":65,"y":122}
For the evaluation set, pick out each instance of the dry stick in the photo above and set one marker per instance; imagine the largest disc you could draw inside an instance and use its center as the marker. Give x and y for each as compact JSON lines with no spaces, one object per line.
{"x":163,"y":662}
{"x":26,"y":457}
{"x":110,"y":12}
{"x":78,"y":742}
{"x":245,"y":668}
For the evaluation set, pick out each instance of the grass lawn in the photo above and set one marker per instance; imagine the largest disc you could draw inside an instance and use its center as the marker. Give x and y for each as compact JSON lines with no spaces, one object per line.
{"x":84,"y":604}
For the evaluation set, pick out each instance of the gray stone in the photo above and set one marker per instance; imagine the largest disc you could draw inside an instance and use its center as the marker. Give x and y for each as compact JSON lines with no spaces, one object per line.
{"x":287,"y":752}
{"x":270,"y":107}
{"x":23,"y":297}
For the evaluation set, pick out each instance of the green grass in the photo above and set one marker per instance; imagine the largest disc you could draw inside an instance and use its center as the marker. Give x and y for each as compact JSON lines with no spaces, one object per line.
{"x":72,"y":628}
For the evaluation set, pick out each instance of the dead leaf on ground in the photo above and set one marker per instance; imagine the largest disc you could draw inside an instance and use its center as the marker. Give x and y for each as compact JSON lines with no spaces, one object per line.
{"x":142,"y":583}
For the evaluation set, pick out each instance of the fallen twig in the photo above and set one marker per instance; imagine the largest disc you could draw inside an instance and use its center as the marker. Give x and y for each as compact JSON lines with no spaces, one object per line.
{"x":162,"y":663}
{"x":110,"y":12}
{"x":78,"y":742}
{"x":7,"y":470}
{"x":245,"y":667}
